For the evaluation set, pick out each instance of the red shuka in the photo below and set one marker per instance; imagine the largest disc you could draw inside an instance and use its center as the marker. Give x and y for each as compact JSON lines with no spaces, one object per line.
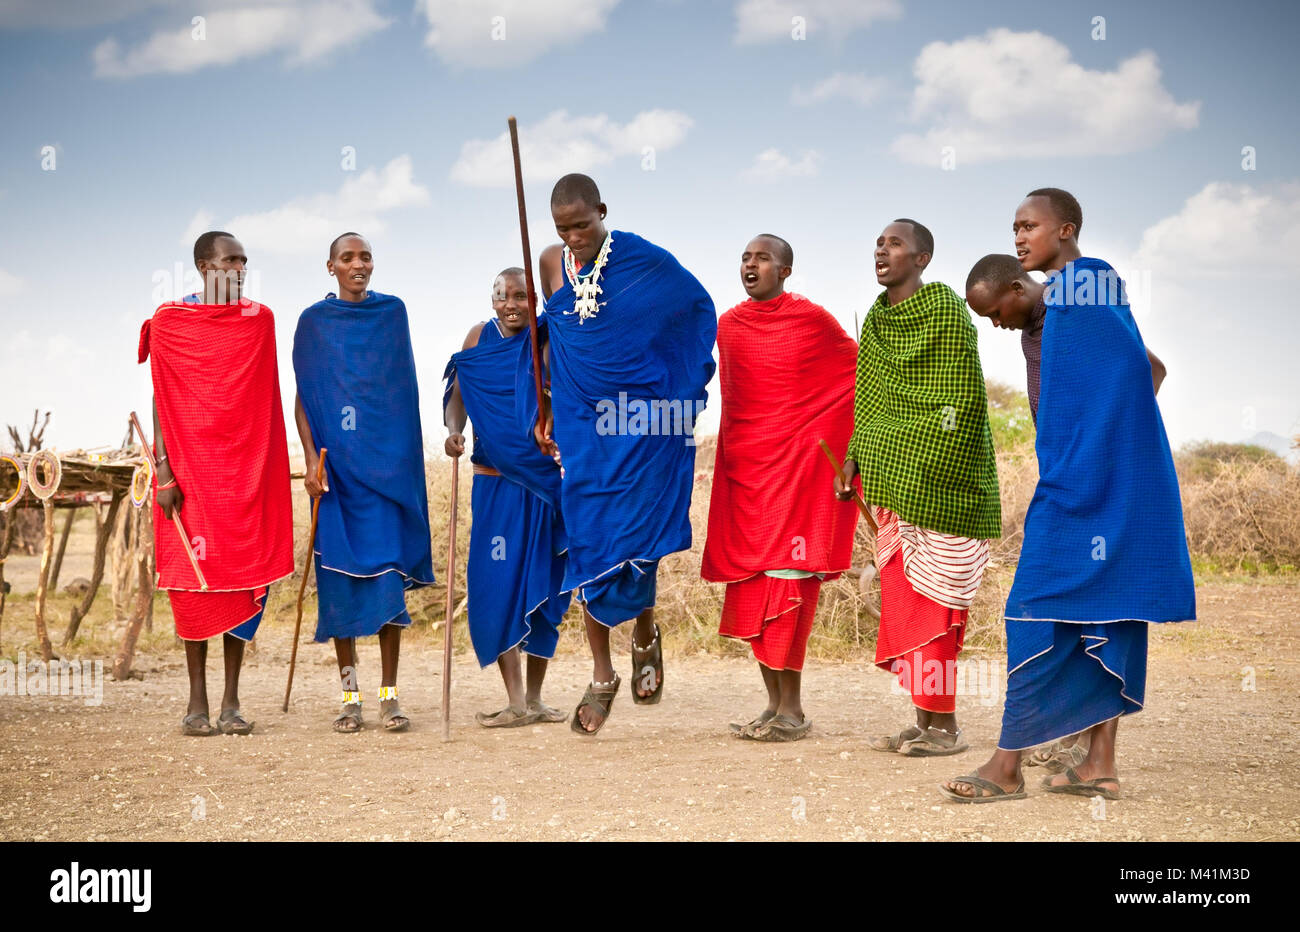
{"x":217,"y":390}
{"x":787,"y":372}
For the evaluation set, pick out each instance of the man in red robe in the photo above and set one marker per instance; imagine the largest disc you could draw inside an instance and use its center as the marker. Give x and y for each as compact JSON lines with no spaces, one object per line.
{"x":223,"y":468}
{"x":786,"y":369}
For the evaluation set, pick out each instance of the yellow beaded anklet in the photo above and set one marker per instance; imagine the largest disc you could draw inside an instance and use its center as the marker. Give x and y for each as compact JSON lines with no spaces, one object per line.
{"x":387,"y":692}
{"x":351,"y":698}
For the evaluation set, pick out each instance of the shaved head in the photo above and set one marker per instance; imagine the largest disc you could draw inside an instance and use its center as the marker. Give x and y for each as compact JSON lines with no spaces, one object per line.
{"x":996,"y":271}
{"x":782,"y":250}
{"x":205,"y":247}
{"x":334,"y":246}
{"x":924,"y":238}
{"x":1064,"y":205}
{"x":576,"y":189}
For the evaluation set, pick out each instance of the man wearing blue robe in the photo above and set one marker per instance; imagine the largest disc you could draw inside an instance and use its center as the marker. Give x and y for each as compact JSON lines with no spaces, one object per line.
{"x":516,"y":543}
{"x":1105,"y":550}
{"x":358,"y":399}
{"x":630,"y":351}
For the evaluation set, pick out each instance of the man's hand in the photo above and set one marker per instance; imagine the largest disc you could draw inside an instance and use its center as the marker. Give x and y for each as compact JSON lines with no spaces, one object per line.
{"x":542,"y":435}
{"x":844,"y":481}
{"x":170,"y":499}
{"x":454,"y":446}
{"x":315,"y":488}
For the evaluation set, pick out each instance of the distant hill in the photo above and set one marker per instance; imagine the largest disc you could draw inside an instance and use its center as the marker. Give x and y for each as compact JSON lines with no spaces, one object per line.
{"x":1277,"y":443}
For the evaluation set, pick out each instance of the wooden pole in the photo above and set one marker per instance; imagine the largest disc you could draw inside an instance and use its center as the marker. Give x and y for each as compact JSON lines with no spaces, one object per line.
{"x":42,"y":584}
{"x":143,"y":608}
{"x":451,"y":603}
{"x":103,"y":531}
{"x":176,"y":516}
{"x":528,"y":270}
{"x":142,"y":544}
{"x":306,"y":571}
{"x":6,"y":542}
{"x":63,"y":546}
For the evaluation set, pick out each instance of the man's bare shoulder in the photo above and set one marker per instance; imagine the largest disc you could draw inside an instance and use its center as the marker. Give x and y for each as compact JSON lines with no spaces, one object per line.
{"x":549,"y":264}
{"x":471,"y":339}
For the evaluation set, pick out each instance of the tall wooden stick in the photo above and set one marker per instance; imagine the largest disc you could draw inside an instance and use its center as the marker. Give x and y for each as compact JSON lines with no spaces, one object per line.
{"x":839,"y":471}
{"x":63,"y":547}
{"x":176,"y":515}
{"x":143,"y":607}
{"x":451,"y":603}
{"x":42,"y":584}
{"x":306,"y":571}
{"x":528,"y":267}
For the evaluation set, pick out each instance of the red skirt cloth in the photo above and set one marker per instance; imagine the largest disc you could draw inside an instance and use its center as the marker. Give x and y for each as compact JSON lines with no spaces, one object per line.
{"x":774,"y":615}
{"x":203,"y":615}
{"x":919,"y":640}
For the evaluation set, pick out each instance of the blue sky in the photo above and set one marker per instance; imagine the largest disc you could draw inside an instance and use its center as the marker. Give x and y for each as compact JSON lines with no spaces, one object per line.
{"x":158,"y":134}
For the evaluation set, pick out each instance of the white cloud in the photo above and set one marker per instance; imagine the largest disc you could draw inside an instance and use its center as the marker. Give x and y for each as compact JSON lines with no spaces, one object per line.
{"x":1223,"y":226}
{"x":306,"y":225}
{"x":462,"y":32}
{"x":774,"y":165}
{"x":199,"y":224}
{"x":772,"y":20}
{"x":303,"y":30}
{"x":1216,"y":282}
{"x":857,"y":87}
{"x":559,"y":144}
{"x":1008,"y":95}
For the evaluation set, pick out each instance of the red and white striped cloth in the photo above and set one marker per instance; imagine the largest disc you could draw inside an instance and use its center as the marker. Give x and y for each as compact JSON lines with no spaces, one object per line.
{"x":942,"y":567}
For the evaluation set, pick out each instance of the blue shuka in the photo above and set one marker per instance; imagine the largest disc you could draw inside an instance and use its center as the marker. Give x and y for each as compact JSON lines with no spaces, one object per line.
{"x":516,"y":539}
{"x":1105,"y":550}
{"x":356,"y":379}
{"x":626,"y":387}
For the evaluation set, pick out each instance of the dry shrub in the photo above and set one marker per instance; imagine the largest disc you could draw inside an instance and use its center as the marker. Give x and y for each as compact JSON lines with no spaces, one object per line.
{"x":1242,"y":511}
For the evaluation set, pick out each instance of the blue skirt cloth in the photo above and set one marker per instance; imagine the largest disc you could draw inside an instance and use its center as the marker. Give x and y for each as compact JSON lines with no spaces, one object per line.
{"x":1064,"y":678}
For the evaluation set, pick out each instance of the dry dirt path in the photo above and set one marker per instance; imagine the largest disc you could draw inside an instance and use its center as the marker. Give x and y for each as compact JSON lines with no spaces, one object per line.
{"x":1207,"y":759}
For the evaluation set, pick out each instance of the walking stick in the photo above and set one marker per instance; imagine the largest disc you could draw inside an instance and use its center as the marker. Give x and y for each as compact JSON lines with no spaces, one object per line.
{"x":528,"y":267}
{"x":451,"y":604}
{"x":839,"y":470}
{"x":306,"y":571}
{"x":176,"y":515}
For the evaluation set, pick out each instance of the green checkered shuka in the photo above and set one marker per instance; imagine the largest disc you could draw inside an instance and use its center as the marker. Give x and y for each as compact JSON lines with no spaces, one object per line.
{"x":921,"y":434}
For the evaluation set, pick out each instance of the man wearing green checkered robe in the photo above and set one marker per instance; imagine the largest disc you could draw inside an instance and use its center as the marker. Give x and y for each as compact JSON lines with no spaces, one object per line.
{"x":923,"y":450}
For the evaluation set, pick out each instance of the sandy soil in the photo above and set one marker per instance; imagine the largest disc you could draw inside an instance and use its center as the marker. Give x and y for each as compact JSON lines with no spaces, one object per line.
{"x":1206,"y":760}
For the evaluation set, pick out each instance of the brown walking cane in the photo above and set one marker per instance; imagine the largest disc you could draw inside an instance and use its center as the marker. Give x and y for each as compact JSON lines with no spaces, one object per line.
{"x":451,"y":603}
{"x":176,"y":515}
{"x":306,"y":571}
{"x":857,"y":499}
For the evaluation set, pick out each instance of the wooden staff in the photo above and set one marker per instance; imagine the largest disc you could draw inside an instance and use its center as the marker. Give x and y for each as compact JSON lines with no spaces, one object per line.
{"x":528,"y":268}
{"x":451,"y":603}
{"x":839,"y":471}
{"x":176,"y":515}
{"x":306,"y":571}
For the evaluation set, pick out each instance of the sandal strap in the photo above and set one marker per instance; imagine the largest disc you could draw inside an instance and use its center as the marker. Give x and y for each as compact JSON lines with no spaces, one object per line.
{"x":653,"y":641}
{"x":975,"y":780}
{"x":602,"y":703}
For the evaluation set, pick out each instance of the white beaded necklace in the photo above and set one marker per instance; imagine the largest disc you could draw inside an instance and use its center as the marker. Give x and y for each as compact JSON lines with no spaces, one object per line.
{"x":587,"y":288}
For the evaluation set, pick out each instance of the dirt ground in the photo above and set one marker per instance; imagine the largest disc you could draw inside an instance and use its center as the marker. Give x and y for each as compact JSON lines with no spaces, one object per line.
{"x":1207,"y":759}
